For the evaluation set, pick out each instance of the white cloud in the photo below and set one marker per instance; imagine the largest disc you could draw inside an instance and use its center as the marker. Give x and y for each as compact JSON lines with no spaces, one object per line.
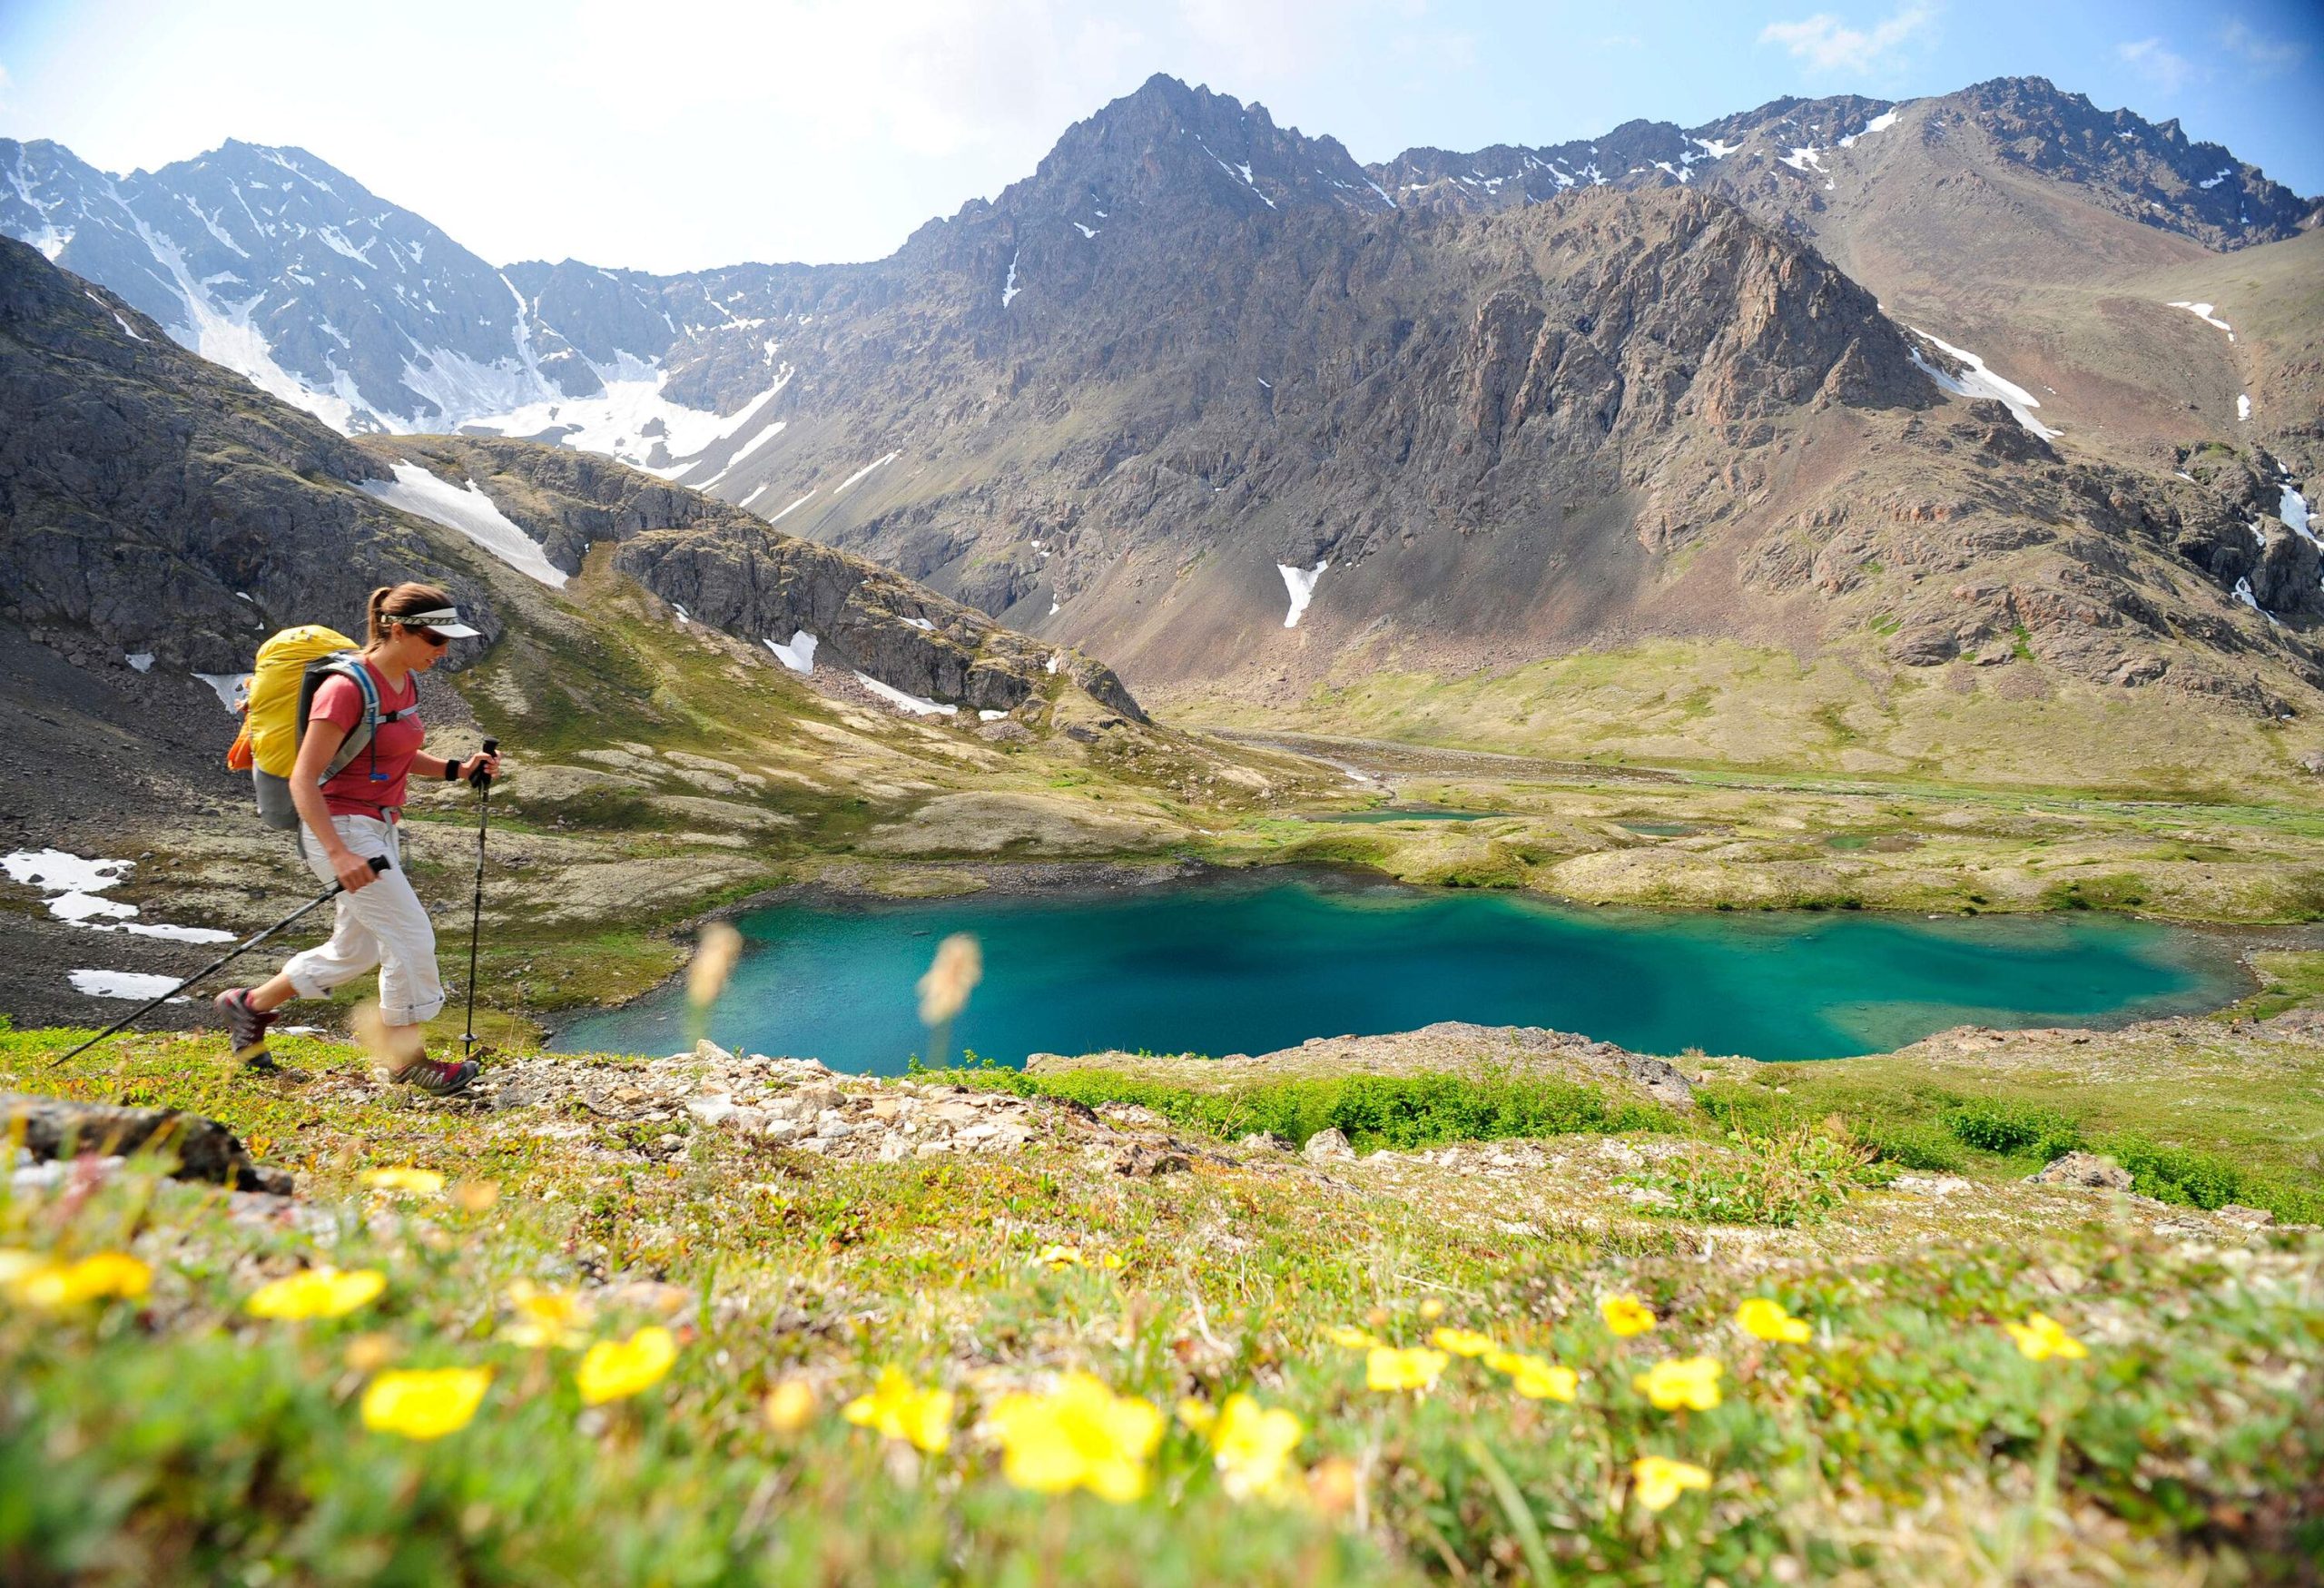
{"x":1829,"y":44}
{"x":2270,"y":55}
{"x":2156,"y":62}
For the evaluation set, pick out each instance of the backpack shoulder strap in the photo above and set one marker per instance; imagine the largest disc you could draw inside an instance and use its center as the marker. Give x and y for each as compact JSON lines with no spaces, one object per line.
{"x":344,"y":664}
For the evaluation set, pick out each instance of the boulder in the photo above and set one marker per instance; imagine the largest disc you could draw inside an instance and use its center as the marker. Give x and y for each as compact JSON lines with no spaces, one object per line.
{"x":1329,"y":1145}
{"x":204,"y":1150}
{"x":1143,"y":1161}
{"x":2086,"y":1169}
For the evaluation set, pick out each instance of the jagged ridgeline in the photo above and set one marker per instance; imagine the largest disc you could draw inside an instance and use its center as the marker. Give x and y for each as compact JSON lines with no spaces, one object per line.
{"x":1872,"y":435}
{"x":159,"y":507}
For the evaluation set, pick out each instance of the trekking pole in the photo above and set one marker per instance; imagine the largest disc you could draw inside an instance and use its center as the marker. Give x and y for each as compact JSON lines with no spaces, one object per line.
{"x":481,"y":781}
{"x":378,"y":863}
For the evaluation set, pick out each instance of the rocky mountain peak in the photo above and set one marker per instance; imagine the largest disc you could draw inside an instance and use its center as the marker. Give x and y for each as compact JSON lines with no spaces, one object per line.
{"x":1169,"y":145}
{"x":2149,"y":171}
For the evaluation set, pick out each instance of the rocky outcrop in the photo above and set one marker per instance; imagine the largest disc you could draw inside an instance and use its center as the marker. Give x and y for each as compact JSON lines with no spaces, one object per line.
{"x":54,"y":1128}
{"x":2086,"y":1169}
{"x":731,"y":569}
{"x":151,"y":503}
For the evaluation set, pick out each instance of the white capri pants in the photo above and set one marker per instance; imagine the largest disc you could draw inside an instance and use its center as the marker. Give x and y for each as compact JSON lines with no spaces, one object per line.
{"x":383,"y":924}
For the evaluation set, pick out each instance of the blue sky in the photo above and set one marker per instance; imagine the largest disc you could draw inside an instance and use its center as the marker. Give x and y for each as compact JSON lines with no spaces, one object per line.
{"x":679,"y":135}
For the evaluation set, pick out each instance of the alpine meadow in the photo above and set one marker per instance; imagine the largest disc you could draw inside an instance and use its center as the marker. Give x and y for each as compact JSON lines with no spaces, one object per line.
{"x":1599,"y":860}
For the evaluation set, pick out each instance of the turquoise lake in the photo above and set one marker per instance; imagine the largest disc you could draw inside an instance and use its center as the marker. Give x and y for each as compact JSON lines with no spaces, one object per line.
{"x":1250,"y":964}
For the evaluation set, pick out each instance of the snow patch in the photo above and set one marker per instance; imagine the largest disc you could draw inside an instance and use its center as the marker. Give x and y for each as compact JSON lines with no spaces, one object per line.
{"x":2292,"y":508}
{"x":921,"y":624}
{"x":799,"y":655}
{"x":71,"y":881}
{"x":859,"y":474}
{"x":72,"y":884}
{"x":630,"y":420}
{"x":1301,"y":584}
{"x":1009,"y":289}
{"x":745,"y":450}
{"x":1978,"y":380}
{"x":1879,"y":123}
{"x":1087,"y":230}
{"x":232,"y":688}
{"x":2243,"y":406}
{"x":910,"y":702}
{"x":471,"y":513}
{"x":800,"y":503}
{"x":990,"y":715}
{"x":2206,"y":313}
{"x":132,"y":985}
{"x":139,"y":661}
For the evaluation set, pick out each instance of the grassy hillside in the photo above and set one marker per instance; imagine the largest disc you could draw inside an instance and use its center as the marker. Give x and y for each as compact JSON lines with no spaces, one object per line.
{"x":1730,"y":707}
{"x":682,"y":1329}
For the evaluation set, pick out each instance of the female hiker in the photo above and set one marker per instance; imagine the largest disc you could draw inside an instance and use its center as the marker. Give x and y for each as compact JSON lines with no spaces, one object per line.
{"x":348,"y":821}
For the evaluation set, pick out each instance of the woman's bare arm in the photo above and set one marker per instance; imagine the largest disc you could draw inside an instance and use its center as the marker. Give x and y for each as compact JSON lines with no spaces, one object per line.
{"x":321,"y":742}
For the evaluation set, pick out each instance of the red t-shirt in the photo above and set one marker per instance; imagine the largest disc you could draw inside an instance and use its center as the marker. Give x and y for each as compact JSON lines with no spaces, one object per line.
{"x":339,"y":702}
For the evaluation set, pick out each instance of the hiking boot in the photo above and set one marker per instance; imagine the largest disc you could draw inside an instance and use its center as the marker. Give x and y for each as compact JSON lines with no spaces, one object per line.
{"x":439,"y":1076}
{"x":245,"y":1026}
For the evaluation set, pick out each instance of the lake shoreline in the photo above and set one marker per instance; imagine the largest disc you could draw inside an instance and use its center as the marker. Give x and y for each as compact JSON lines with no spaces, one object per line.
{"x":848,"y":881}
{"x":2227,"y":973}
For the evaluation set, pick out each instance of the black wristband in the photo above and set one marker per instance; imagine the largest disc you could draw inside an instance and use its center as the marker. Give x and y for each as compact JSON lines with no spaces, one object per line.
{"x":452,"y":769}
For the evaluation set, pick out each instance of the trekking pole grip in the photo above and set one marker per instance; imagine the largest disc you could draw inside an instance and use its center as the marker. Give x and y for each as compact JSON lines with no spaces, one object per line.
{"x":480,"y":778}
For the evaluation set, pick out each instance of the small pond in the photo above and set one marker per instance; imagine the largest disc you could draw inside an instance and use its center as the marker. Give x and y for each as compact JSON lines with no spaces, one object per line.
{"x":1251,"y":964}
{"x":1415,"y":813}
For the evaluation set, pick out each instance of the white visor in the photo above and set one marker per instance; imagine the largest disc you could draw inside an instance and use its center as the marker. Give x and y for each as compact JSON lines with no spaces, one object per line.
{"x":444,"y":620}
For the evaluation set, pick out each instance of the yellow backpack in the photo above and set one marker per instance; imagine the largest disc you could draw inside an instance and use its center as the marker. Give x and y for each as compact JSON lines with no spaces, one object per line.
{"x":291,"y":665}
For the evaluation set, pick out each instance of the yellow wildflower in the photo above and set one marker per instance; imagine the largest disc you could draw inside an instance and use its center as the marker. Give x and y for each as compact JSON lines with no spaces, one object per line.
{"x":1254,"y":1446}
{"x":425,"y":1405}
{"x":1626,"y":1315}
{"x":322,"y":1291}
{"x":1059,"y":1257}
{"x":1534,"y":1378}
{"x":790,"y":1405}
{"x":898,"y":1409}
{"x":1333,"y":1485}
{"x":547,"y":1317}
{"x":613,"y":1370}
{"x":1461,"y":1342}
{"x":1657,"y":1480}
{"x":16,"y":1263}
{"x":1681,"y":1381}
{"x":1079,"y":1436}
{"x":1765,"y":1318}
{"x":1199,"y":1415}
{"x":2041,"y":1336}
{"x":714,"y":955}
{"x":1387,"y":1368}
{"x":1430,"y":1311}
{"x":370,"y":1353}
{"x":475,"y":1195}
{"x":1354,"y":1339}
{"x":944,"y":990}
{"x":93,"y":1278}
{"x":419,"y":1182}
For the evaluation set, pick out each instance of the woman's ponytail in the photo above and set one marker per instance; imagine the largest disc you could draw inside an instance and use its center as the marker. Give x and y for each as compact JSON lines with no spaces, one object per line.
{"x":374,"y":611}
{"x":392,"y":601}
